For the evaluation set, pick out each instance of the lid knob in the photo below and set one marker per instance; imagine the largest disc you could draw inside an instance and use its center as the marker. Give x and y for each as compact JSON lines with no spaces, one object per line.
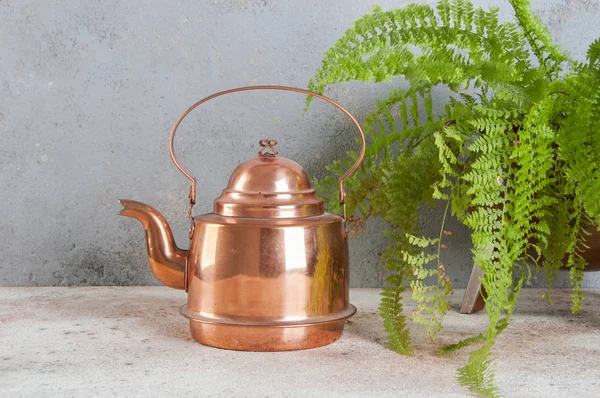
{"x":267,"y":145}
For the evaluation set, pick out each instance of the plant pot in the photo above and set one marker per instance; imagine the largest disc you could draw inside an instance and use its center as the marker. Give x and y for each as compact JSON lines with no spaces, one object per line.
{"x":473,"y":299}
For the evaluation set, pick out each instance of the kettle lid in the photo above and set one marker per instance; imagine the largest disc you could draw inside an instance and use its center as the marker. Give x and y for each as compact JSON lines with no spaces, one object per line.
{"x":269,"y":186}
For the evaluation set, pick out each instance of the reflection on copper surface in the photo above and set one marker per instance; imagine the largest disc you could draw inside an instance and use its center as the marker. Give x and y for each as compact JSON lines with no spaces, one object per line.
{"x":344,"y":177}
{"x":289,"y":272}
{"x":167,"y":261}
{"x":268,"y":269}
{"x":211,"y":237}
{"x":295,"y":255}
{"x":282,"y":186}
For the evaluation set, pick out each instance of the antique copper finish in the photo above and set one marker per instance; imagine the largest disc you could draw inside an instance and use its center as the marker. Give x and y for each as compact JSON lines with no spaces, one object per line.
{"x":268,"y":186}
{"x":192,"y":194}
{"x":268,"y":269}
{"x":288,"y":273}
{"x":266,"y":338}
{"x":267,"y":145}
{"x":167,"y":261}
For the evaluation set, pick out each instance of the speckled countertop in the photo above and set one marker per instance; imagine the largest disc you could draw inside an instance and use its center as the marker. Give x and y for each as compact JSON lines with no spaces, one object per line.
{"x":131,"y":341}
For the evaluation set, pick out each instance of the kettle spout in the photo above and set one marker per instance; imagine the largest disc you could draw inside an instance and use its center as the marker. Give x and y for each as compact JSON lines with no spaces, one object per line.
{"x":167,"y":261}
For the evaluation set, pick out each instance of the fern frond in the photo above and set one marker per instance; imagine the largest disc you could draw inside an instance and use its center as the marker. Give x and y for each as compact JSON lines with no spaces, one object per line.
{"x":593,"y":54}
{"x":450,"y":348}
{"x":515,"y":154}
{"x":380,"y":46}
{"x":549,"y":55}
{"x":391,"y":306}
{"x":477,"y":374}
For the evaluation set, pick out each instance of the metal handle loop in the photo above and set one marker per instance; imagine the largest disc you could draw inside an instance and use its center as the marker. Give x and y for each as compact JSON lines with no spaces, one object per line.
{"x":192,"y":194}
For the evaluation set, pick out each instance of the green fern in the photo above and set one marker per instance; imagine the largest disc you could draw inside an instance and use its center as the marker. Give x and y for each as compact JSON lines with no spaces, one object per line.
{"x":515,"y":156}
{"x":391,"y":307}
{"x":478,"y":374}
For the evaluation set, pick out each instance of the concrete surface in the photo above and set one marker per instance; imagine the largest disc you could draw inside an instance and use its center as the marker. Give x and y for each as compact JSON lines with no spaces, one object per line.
{"x":126,"y":342}
{"x":90,"y":89}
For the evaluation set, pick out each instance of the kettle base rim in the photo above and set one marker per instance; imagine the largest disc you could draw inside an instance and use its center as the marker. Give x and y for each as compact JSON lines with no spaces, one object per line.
{"x":269,"y":338}
{"x":349,"y":311}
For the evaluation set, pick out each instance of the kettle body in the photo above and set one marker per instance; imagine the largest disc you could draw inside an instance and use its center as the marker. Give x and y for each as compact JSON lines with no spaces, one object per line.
{"x":267,"y":287}
{"x":268,"y":269}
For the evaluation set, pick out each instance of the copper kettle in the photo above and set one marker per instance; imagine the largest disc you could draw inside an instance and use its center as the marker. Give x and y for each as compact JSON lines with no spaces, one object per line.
{"x":267,"y":270}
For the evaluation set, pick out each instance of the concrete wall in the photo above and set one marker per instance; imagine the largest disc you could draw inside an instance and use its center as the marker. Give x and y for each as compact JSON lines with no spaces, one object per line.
{"x":90,"y":89}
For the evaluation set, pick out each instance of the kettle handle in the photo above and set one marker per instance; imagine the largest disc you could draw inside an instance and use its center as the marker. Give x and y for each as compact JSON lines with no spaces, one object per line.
{"x":192,"y":195}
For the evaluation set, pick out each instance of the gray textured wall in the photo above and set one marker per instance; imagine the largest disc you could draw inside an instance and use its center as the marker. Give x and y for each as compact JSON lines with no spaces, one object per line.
{"x":89,"y":90}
